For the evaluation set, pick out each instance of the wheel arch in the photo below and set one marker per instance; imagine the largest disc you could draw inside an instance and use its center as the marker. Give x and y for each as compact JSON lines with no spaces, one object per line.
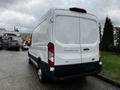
{"x":39,"y":60}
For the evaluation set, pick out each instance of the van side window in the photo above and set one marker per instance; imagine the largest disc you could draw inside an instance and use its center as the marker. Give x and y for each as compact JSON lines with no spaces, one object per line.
{"x":41,"y":32}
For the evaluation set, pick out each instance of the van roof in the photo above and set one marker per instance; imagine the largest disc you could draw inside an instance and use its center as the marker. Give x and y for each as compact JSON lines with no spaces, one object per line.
{"x":67,"y":9}
{"x":52,"y":10}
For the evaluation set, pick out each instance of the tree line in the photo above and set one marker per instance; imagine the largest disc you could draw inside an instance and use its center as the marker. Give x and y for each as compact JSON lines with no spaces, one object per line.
{"x":110,"y":39}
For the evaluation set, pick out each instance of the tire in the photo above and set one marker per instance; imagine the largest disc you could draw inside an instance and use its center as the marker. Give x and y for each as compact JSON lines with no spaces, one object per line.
{"x":0,"y":48}
{"x":29,"y":61}
{"x":18,"y":49}
{"x":41,"y":76}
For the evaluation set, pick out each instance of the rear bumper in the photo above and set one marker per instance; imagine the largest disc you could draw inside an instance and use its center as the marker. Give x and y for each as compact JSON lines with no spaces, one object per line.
{"x":72,"y":71}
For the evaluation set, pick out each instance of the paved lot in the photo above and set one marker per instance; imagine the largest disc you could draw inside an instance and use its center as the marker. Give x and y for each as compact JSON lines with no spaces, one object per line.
{"x":17,"y":74}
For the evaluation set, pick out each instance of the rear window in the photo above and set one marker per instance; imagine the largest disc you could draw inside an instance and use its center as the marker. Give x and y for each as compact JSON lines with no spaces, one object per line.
{"x":76,"y":30}
{"x":89,"y":31}
{"x":67,"y":29}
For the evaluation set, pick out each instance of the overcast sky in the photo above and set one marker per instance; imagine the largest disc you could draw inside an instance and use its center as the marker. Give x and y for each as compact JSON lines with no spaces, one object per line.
{"x":25,"y":14}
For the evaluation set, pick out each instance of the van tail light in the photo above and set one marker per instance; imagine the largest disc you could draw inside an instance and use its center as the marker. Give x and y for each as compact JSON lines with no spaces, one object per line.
{"x":50,"y":54}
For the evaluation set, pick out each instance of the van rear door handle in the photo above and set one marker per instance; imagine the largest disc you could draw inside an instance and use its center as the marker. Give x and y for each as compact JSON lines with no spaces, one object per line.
{"x":86,"y":49}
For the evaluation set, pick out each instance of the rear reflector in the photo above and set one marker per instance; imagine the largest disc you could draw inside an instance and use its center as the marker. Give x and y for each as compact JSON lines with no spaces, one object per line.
{"x":50,"y":54}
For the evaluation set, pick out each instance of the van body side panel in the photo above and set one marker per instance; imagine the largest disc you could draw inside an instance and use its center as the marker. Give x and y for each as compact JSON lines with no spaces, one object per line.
{"x":41,"y":37}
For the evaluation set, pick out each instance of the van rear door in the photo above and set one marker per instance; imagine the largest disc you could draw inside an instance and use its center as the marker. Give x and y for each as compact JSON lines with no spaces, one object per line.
{"x":89,"y":39}
{"x":67,"y":40}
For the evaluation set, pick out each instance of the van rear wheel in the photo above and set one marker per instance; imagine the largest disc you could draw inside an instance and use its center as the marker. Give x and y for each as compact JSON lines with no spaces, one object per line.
{"x":41,"y":75}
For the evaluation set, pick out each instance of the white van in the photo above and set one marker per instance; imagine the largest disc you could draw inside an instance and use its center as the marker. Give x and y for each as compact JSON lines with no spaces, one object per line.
{"x":65,"y":44}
